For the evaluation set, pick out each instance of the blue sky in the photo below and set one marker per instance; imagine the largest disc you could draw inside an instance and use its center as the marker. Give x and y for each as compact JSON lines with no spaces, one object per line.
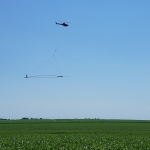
{"x":104,"y":52}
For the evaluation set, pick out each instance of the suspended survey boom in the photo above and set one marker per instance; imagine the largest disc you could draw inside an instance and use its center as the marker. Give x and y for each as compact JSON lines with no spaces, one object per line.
{"x":53,"y":56}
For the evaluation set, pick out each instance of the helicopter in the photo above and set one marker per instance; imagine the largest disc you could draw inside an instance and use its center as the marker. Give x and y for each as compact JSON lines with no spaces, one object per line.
{"x":63,"y":24}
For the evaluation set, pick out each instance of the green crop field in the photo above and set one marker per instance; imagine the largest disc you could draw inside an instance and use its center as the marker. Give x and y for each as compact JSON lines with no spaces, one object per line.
{"x":74,"y":135}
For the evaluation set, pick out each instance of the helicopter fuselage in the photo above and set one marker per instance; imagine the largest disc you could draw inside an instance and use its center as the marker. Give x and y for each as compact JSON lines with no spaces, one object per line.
{"x":63,"y":24}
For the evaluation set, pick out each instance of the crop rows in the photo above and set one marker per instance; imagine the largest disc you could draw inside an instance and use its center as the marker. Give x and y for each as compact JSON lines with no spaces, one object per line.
{"x":48,"y":142}
{"x":42,"y":137}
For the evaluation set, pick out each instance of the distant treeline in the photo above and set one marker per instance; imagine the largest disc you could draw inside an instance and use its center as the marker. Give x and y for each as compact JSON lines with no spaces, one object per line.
{"x":25,"y":118}
{"x":4,"y":119}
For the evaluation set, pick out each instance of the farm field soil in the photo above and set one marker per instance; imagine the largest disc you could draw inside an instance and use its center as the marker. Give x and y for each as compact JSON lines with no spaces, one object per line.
{"x":75,"y":134}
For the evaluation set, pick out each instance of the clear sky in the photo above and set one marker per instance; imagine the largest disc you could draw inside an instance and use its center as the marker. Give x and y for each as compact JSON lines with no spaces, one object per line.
{"x":104,"y":54}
